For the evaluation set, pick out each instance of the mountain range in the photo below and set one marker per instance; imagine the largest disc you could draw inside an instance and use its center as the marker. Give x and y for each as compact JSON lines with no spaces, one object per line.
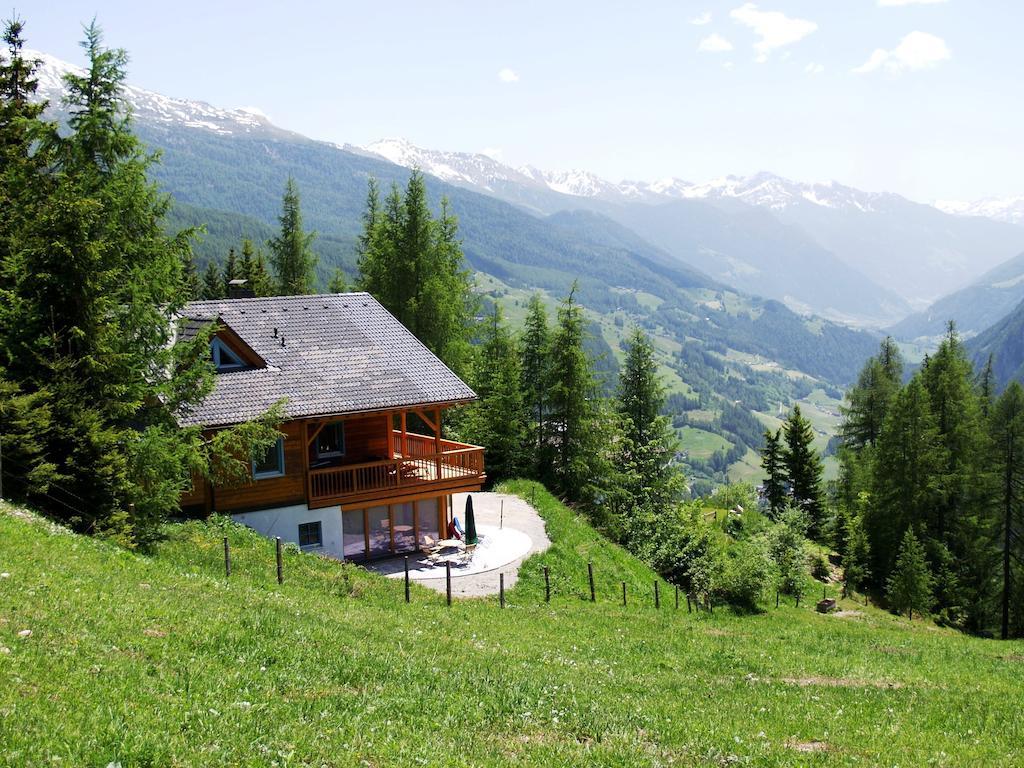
{"x":889,"y":254}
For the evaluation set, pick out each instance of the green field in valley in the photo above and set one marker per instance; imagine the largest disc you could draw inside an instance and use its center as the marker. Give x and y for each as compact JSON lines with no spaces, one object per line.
{"x":115,"y":658}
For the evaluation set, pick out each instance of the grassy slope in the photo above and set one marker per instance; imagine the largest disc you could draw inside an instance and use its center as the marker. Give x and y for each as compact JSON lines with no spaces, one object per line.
{"x":160,"y":661}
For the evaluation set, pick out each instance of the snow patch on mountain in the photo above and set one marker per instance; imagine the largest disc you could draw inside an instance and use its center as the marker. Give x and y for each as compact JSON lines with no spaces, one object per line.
{"x":149,"y":106}
{"x":1007,"y":209}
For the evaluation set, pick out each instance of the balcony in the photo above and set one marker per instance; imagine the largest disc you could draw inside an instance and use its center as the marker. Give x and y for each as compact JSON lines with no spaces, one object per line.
{"x":419,"y":463}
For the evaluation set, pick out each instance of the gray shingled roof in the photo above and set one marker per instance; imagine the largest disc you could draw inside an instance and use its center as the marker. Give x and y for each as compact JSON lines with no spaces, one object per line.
{"x":342,"y":353}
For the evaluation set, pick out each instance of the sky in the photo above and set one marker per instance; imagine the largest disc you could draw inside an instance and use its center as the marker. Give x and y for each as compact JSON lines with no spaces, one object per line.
{"x":920,"y":97}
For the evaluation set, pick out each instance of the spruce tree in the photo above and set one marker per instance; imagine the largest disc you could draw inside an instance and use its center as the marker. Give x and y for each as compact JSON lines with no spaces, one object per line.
{"x":500,"y":418}
{"x":573,"y":414}
{"x":291,"y":254}
{"x":96,"y":283}
{"x":338,"y":282}
{"x":650,"y":446}
{"x":536,"y":366}
{"x":909,"y":587}
{"x":232,"y":271}
{"x":804,"y":468}
{"x":775,"y":472}
{"x":260,"y":281}
{"x":857,"y":553}
{"x":213,"y":282}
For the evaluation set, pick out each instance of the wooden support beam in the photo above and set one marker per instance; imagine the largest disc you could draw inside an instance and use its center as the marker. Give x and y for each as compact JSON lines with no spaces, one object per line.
{"x":434,"y":425}
{"x":405,"y":442}
{"x":310,"y":438}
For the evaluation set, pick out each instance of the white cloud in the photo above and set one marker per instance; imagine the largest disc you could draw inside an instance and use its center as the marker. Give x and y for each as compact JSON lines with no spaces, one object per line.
{"x":702,"y":19}
{"x":916,"y":51}
{"x":908,"y":2}
{"x":507,"y":75}
{"x":714,"y":43}
{"x":775,"y":28}
{"x":814,"y":68}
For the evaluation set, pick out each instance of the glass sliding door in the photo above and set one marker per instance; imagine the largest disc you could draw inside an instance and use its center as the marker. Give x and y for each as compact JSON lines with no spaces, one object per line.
{"x":426,"y":514}
{"x":353,"y":534}
{"x":379,"y":526}
{"x":403,"y":522}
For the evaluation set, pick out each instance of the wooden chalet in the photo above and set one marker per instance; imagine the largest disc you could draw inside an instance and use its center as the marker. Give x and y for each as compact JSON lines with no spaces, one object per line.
{"x":361,"y":469}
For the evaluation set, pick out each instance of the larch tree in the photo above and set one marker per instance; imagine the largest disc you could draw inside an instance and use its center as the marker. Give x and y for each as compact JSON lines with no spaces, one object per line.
{"x":291,"y":252}
{"x":1007,"y":429}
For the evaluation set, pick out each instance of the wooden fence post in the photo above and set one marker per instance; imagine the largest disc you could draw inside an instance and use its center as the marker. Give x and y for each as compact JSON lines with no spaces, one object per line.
{"x":590,"y":574}
{"x":227,"y":558}
{"x":501,"y":588}
{"x":407,"y":578}
{"x":657,"y":597}
{"x":677,"y":597}
{"x":448,"y":580}
{"x":623,"y":594}
{"x":280,"y":566}
{"x":547,"y":586}
{"x":689,"y":608}
{"x":776,"y":598}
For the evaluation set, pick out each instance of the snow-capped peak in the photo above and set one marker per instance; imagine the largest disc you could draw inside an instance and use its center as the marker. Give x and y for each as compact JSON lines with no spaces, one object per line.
{"x":149,"y":106}
{"x":1008,"y":209}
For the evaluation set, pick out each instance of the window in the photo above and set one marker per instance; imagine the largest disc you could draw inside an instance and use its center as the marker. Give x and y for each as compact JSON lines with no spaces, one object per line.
{"x":271,"y":464}
{"x":310,"y":535}
{"x":331,"y":440}
{"x":224,"y":359}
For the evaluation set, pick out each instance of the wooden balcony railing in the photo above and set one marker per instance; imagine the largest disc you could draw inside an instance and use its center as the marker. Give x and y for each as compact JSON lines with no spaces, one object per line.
{"x":420,"y":464}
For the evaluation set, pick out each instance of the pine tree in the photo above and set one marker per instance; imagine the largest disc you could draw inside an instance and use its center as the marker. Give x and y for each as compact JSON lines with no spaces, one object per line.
{"x":232,"y":271}
{"x":291,"y":255}
{"x":1007,"y":429}
{"x":804,"y":468}
{"x":213,"y":282}
{"x":260,"y":281}
{"x":909,"y":587}
{"x":500,"y":420}
{"x":536,"y":366}
{"x":775,"y":473}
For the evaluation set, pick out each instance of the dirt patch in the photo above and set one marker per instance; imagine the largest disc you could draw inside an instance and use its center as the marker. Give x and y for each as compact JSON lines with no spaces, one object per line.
{"x":839,"y":682}
{"x":1013,"y":657}
{"x":712,"y":632}
{"x":807,"y":746}
{"x":154,"y":632}
{"x":847,"y":614}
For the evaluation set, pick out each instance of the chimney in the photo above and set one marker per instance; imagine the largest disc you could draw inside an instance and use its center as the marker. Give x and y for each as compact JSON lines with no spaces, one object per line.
{"x":239,"y":289}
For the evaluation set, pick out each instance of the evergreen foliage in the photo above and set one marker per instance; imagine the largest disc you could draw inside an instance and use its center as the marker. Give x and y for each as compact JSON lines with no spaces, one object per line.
{"x":909,"y":587}
{"x":774,"y":472}
{"x":91,"y":284}
{"x":804,"y":469}
{"x":413,"y":265}
{"x":213,"y":282}
{"x":291,"y":257}
{"x":536,"y":375}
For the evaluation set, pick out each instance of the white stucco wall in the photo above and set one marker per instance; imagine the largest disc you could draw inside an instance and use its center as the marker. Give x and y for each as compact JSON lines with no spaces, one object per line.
{"x":284,"y":522}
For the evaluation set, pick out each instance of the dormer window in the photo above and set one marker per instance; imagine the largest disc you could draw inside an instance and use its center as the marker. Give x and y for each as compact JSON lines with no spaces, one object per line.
{"x":224,"y":358}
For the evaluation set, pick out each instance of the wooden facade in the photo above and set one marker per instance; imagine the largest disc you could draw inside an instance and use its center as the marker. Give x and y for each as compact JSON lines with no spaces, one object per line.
{"x":384,"y":466}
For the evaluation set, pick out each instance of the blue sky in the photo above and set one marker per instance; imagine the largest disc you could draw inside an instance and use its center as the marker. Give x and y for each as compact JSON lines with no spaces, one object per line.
{"x":921,"y":97}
